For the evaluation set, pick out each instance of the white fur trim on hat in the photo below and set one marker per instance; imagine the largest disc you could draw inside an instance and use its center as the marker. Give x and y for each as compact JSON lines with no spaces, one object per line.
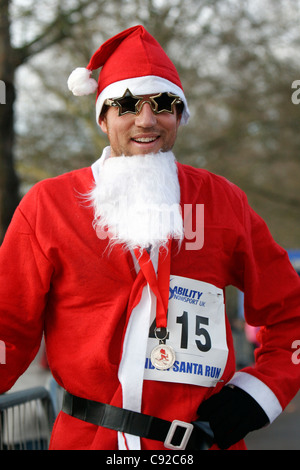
{"x":81,"y":83}
{"x":142,"y":86}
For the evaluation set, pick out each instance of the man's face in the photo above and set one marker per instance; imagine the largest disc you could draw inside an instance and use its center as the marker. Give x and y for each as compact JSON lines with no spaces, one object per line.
{"x":139,"y":134}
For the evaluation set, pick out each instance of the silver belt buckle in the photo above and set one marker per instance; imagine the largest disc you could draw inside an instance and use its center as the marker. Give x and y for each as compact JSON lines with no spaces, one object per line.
{"x":188,"y":431}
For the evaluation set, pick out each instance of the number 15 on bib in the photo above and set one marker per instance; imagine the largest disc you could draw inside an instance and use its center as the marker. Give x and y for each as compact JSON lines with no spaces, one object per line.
{"x":196,"y":332}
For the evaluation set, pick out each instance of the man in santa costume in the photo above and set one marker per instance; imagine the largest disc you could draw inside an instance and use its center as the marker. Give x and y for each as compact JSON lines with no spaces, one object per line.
{"x":123,"y":266}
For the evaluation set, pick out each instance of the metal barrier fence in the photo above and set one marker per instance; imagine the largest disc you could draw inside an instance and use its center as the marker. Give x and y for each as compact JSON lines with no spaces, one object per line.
{"x":26,"y":419}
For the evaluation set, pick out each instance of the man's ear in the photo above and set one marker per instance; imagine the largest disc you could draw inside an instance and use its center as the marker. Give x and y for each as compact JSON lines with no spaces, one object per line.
{"x":102,"y":123}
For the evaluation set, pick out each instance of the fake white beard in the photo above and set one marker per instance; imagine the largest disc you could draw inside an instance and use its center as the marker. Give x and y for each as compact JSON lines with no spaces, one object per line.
{"x":136,"y":201}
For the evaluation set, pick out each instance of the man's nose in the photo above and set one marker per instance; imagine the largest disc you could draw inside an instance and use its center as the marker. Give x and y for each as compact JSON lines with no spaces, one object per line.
{"x":146,"y":117}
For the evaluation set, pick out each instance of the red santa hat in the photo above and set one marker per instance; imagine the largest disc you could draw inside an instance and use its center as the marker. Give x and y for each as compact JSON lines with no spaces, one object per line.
{"x":132,"y":59}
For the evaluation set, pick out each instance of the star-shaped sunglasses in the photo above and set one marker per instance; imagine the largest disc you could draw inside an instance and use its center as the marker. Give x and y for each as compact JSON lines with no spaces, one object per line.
{"x":129,"y":103}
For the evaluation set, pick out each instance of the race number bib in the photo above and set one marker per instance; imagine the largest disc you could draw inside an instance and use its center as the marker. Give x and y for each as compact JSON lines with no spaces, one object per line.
{"x":196,"y":332}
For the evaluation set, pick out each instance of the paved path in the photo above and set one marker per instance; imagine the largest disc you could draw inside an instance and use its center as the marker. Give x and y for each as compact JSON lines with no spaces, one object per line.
{"x":33,"y":377}
{"x":282,"y":434}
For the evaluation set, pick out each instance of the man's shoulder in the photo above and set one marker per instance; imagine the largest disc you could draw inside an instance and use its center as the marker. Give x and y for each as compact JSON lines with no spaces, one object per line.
{"x":206,"y":180}
{"x":81,"y":179}
{"x":80,"y":175}
{"x":58,"y":190}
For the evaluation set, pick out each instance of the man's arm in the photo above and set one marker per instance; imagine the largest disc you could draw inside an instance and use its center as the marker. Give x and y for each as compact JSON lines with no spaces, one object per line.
{"x":257,"y":394}
{"x":24,"y":282}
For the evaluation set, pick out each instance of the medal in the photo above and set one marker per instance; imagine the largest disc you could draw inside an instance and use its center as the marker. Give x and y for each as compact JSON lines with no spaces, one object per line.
{"x":162,"y":356}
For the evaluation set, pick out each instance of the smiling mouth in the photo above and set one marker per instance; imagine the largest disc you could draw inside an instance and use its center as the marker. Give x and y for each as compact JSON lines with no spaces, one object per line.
{"x":145,"y":140}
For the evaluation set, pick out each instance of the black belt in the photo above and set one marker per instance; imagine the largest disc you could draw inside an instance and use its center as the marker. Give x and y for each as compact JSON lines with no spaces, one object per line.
{"x":175,"y":435}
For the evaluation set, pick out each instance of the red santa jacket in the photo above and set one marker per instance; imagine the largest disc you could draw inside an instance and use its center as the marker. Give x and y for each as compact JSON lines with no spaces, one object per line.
{"x":58,"y":277}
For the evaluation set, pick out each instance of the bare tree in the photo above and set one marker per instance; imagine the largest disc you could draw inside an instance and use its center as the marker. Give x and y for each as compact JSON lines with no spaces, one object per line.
{"x":62,"y":25}
{"x":8,"y":178}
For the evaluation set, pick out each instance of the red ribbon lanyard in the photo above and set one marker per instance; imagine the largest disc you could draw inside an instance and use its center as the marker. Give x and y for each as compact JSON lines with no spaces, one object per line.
{"x":158,"y":284}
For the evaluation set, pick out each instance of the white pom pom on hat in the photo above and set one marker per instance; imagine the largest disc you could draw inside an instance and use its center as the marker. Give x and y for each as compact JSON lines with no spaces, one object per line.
{"x":132,"y":58}
{"x":80,"y":82}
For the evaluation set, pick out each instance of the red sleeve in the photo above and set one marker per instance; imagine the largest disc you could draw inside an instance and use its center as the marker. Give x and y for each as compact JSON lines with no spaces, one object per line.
{"x":24,"y":282}
{"x":272,"y":301}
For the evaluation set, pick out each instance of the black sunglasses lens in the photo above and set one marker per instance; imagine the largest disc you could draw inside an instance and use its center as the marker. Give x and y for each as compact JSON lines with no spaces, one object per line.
{"x":127,"y":104}
{"x":164,"y":102}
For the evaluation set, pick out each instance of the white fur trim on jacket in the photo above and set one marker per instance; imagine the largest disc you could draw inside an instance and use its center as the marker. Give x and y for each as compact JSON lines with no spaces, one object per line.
{"x":260,"y":392}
